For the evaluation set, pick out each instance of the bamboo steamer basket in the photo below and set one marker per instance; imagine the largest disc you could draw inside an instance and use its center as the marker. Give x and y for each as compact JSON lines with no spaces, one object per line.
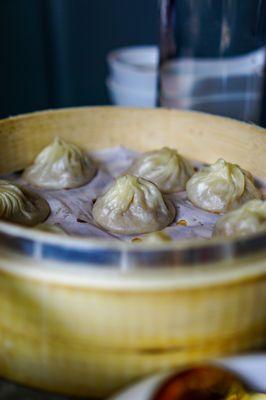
{"x":85,"y":317}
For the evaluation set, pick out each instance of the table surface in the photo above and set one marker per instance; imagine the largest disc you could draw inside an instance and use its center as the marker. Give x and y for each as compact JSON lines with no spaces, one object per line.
{"x":252,"y":367}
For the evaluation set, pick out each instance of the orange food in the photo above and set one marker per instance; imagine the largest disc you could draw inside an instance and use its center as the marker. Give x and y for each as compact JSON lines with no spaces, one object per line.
{"x":202,"y":383}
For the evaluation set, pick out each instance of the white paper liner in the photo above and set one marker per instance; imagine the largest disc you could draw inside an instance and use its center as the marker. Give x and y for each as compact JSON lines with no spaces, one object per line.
{"x":72,"y":209}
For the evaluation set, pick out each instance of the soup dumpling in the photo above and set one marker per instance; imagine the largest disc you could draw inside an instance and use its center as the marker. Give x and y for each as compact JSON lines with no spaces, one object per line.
{"x":249,"y":218}
{"x":20,"y":205}
{"x":133,"y":205}
{"x":221,"y":186}
{"x":165,"y":167}
{"x":60,"y":165}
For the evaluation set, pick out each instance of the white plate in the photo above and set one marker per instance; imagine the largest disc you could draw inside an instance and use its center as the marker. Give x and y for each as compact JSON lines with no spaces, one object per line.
{"x":251,"y":367}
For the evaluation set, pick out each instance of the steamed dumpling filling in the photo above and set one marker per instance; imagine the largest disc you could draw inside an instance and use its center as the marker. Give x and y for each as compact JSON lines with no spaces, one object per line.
{"x":221,"y":187}
{"x":165,"y":167}
{"x":250,"y":218}
{"x":21,"y":206}
{"x":133,"y":205}
{"x":60,"y":165}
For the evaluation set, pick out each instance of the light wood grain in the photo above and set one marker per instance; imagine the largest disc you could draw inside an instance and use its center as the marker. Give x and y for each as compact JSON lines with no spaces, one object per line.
{"x":196,"y":135}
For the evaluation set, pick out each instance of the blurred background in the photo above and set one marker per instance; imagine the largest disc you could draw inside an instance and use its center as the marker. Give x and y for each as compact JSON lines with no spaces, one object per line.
{"x":53,"y":52}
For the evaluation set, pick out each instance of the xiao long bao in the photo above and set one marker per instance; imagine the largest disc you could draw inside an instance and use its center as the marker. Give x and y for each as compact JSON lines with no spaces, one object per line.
{"x":21,"y":206}
{"x":132,"y":206}
{"x":60,"y":165}
{"x":221,"y":187}
{"x":249,"y":218}
{"x":165,"y":167}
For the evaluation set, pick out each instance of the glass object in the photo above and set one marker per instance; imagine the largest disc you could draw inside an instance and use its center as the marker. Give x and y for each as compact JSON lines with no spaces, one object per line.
{"x":212,"y":56}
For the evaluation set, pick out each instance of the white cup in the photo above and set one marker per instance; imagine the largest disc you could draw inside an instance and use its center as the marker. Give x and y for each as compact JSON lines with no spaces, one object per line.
{"x":133,"y":75}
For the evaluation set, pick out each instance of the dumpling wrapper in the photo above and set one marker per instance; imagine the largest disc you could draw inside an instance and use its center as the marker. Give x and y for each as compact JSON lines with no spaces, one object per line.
{"x":132,"y":206}
{"x":221,"y":187}
{"x":165,"y":167}
{"x":248,"y":219}
{"x":60,"y":165}
{"x":21,"y":206}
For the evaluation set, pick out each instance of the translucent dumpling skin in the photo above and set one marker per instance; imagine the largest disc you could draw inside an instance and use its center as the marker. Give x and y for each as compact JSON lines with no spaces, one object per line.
{"x":165,"y":167}
{"x":249,"y":218}
{"x":22,"y":206}
{"x":131,"y":206}
{"x":60,"y":165}
{"x":221,"y":187}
